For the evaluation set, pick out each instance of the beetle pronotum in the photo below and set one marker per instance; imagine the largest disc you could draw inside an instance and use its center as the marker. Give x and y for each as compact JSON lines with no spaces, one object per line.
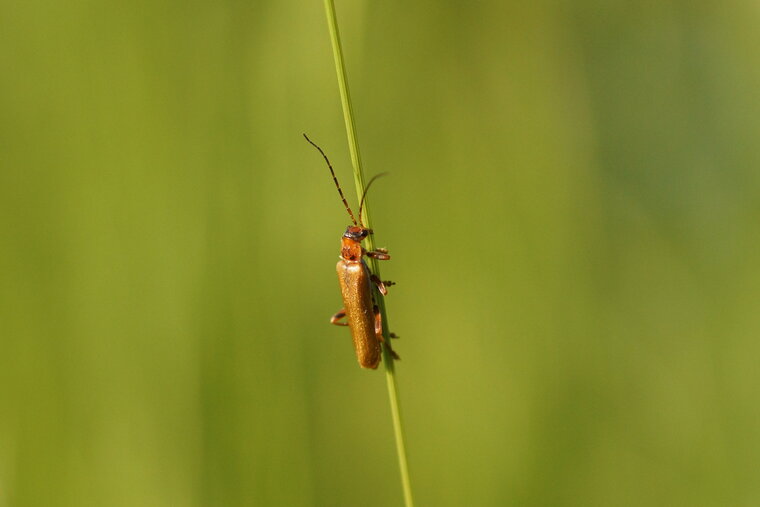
{"x":356,"y":281}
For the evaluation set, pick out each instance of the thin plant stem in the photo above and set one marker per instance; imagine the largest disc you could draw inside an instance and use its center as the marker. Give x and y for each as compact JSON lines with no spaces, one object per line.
{"x":356,"y":161}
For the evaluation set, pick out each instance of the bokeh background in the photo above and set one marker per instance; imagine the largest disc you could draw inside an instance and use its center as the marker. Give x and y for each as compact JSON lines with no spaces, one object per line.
{"x":573,"y":210}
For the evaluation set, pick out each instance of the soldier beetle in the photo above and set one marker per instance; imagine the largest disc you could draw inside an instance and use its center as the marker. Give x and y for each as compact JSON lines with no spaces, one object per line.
{"x":360,"y":311}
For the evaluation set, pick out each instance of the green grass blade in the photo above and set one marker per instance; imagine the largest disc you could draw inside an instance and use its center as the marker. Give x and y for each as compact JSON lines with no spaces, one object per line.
{"x":353,"y":145}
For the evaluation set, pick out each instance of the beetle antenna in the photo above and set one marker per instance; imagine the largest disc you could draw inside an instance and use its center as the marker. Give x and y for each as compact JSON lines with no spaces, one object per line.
{"x":335,"y":179}
{"x":366,"y":189}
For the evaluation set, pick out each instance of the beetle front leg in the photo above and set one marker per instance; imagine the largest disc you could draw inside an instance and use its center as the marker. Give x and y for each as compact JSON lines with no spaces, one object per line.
{"x":380,"y":254}
{"x":338,"y":316}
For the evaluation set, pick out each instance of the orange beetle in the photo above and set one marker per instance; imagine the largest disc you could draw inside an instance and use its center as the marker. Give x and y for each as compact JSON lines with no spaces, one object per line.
{"x":360,"y":311}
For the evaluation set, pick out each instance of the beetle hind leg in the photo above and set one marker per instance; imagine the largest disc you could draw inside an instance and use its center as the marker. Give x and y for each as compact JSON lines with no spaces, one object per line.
{"x":335,"y":319}
{"x":379,"y":333}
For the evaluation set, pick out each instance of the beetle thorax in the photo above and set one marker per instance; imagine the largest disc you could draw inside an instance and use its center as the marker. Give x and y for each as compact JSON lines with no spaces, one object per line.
{"x":350,"y":249}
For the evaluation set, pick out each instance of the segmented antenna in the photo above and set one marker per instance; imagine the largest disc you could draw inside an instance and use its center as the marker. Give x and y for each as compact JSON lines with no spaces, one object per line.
{"x":335,"y":179}
{"x":366,"y":189}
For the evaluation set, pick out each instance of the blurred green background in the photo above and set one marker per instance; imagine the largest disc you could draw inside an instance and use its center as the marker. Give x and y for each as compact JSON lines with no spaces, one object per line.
{"x":573,"y":211}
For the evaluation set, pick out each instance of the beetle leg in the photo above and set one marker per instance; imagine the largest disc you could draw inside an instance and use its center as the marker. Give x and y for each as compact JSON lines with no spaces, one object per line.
{"x":338,"y":316}
{"x":381,"y":286}
{"x":393,"y":335}
{"x":378,"y":323}
{"x":379,"y":332}
{"x":380,"y":254}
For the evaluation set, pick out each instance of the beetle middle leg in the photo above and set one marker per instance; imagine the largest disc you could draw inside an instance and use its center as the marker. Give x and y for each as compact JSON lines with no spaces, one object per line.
{"x":382,"y":285}
{"x":379,"y":332}
{"x":338,"y":316}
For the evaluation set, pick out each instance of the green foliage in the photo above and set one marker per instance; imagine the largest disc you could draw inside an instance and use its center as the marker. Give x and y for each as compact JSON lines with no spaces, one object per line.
{"x":571,"y":209}
{"x":364,"y":218}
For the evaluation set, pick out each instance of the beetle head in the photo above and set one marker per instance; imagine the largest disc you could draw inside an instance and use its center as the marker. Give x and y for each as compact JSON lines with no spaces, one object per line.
{"x":356,"y":233}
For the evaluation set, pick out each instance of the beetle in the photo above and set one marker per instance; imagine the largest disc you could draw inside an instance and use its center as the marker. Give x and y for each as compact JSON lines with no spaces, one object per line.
{"x":360,"y":309}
